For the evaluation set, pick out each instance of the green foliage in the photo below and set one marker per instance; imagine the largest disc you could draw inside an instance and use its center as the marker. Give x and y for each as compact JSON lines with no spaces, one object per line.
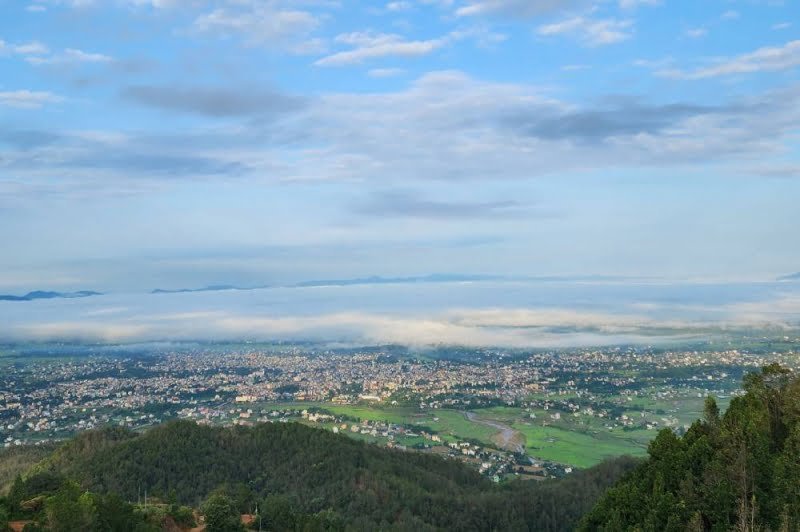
{"x":739,"y":471}
{"x":300,"y":478}
{"x":58,"y":504}
{"x":278,"y":513}
{"x":114,"y":514}
{"x":68,"y":510}
{"x":182,"y":515}
{"x":221,"y":514}
{"x":4,"y":516}
{"x":15,"y":461}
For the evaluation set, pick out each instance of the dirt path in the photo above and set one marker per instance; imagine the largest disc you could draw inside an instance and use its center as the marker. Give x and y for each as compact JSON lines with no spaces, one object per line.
{"x":507,"y":438}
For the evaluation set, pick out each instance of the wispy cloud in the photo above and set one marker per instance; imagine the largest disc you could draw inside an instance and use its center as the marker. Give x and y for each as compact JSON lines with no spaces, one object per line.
{"x":591,"y":32}
{"x":575,"y":68}
{"x":398,"y":6}
{"x":385,"y":72}
{"x":25,"y":99}
{"x":33,"y":48}
{"x":370,"y":45}
{"x":523,"y":8}
{"x":69,"y":56}
{"x":631,"y":4}
{"x":270,"y":23}
{"x":696,"y":33}
{"x":411,"y":205}
{"x":767,"y":59}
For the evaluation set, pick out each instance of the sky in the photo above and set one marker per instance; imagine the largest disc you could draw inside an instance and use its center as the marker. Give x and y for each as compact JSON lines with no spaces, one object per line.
{"x":180,"y":143}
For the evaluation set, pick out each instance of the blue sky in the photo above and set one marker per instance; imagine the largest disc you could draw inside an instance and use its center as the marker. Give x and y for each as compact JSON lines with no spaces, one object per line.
{"x":169,"y":143}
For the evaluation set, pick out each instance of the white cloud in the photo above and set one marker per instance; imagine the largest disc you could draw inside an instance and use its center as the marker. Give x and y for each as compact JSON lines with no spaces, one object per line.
{"x":268,"y":23}
{"x":398,"y":6}
{"x":388,"y":136}
{"x":370,"y":45}
{"x":631,"y":4}
{"x":524,"y":8}
{"x":592,"y":32}
{"x":730,"y":15}
{"x":69,"y":56}
{"x":781,"y":26}
{"x":511,"y":327}
{"x":767,"y":59}
{"x":385,"y":72}
{"x":32,"y":48}
{"x":162,"y":4}
{"x":25,"y":99}
{"x":156,"y":4}
{"x":696,"y":33}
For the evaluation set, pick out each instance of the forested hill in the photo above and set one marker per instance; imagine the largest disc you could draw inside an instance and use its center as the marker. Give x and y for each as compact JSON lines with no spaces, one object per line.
{"x":312,"y":473}
{"x":738,"y":472}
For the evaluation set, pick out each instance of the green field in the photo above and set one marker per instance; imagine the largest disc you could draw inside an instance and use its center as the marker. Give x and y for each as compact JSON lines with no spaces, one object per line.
{"x":581,"y":449}
{"x":580,"y":441}
{"x":455,"y":423}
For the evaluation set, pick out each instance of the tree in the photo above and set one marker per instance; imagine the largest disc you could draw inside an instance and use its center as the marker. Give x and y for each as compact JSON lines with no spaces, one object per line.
{"x":739,"y":471}
{"x":711,"y":412}
{"x":221,"y":514}
{"x":3,"y":518}
{"x":114,"y":514}
{"x":67,"y":510}
{"x":278,"y":513}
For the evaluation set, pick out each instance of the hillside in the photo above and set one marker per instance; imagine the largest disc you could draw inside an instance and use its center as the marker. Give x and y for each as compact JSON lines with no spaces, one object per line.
{"x":15,"y":461}
{"x":740,"y":471}
{"x":310,"y":473}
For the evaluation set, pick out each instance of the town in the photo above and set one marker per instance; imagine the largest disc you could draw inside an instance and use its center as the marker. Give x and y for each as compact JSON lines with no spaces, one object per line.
{"x":508,"y":413}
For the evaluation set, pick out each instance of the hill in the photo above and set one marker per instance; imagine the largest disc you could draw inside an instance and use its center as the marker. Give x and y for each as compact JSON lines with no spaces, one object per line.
{"x":40,"y":294}
{"x":740,"y":471}
{"x":792,"y":277}
{"x":307,"y":473}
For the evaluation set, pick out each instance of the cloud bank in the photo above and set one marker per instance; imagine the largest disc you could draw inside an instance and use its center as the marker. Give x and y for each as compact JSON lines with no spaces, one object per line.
{"x":184,"y":317}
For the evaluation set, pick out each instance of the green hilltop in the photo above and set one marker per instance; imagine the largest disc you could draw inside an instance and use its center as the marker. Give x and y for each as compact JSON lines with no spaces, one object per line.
{"x":301,"y":478}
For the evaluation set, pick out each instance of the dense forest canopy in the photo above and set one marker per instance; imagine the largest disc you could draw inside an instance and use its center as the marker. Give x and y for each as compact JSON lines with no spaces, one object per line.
{"x":298,"y":477}
{"x":739,"y":471}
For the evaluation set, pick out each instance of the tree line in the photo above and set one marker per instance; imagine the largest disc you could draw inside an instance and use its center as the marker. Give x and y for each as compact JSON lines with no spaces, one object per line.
{"x":738,"y":471}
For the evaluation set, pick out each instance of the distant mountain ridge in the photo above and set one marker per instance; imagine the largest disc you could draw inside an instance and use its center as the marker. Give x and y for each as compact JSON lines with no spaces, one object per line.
{"x":790,"y":277}
{"x":375,"y":279}
{"x":356,"y":281}
{"x":433,"y":278}
{"x":41,"y":294}
{"x":379,"y":280}
{"x":211,"y":288}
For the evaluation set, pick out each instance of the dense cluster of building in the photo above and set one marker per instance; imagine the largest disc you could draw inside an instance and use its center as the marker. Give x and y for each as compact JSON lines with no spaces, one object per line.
{"x":49,"y":399}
